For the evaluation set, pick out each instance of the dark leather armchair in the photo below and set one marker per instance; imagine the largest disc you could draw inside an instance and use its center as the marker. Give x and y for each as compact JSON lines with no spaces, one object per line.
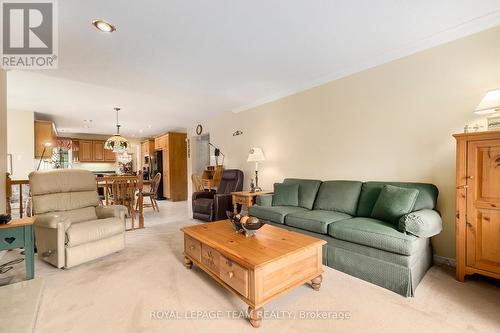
{"x":212,"y":206}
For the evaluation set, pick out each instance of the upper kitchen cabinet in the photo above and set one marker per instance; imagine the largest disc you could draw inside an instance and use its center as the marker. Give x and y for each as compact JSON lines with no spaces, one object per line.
{"x":94,"y":151}
{"x":44,"y":134}
{"x":98,"y":147}
{"x":86,"y":151}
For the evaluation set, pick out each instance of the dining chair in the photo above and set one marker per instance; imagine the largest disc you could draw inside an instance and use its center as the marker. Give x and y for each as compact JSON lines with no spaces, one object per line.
{"x":152,"y":193}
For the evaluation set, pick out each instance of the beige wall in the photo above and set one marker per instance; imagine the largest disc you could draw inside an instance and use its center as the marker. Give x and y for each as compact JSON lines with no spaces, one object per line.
{"x":3,"y":137}
{"x":21,"y":142}
{"x":392,"y":122}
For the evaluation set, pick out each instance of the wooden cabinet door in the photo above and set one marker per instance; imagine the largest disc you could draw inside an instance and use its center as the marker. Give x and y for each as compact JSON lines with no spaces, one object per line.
{"x":166,"y":174}
{"x":98,"y":150}
{"x":86,"y":147}
{"x":483,"y":205}
{"x":109,"y":155}
{"x":44,"y":134}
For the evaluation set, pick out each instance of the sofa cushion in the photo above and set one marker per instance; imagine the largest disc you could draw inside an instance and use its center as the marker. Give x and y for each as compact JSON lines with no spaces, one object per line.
{"x":315,"y":220}
{"x":374,"y":233}
{"x":90,"y":231}
{"x":427,"y":196}
{"x":394,"y":202}
{"x":286,"y":194}
{"x":275,"y":214}
{"x":338,"y":195}
{"x":308,"y":188}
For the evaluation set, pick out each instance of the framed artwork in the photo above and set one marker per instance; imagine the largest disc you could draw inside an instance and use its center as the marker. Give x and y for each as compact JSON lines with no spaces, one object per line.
{"x":494,"y":124}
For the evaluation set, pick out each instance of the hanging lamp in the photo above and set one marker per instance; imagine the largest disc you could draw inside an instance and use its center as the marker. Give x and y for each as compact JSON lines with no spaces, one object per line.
{"x":117,"y":143}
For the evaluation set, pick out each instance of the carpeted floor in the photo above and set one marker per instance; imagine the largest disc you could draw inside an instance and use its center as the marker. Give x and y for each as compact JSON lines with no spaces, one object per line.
{"x":146,"y":288}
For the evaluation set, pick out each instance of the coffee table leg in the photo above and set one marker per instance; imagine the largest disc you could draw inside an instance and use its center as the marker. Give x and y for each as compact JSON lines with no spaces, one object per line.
{"x":316,"y":282}
{"x":188,"y":263}
{"x":255,"y":316}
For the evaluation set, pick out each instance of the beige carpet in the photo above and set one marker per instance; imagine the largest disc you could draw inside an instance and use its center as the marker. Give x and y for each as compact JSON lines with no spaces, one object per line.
{"x":122,"y":292}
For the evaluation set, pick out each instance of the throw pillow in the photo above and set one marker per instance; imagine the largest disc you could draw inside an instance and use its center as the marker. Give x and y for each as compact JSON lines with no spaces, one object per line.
{"x":286,"y":194}
{"x":394,"y":202}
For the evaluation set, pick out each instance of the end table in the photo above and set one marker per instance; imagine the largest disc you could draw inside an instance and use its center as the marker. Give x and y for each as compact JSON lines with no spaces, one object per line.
{"x":246,"y":198}
{"x":19,"y":233}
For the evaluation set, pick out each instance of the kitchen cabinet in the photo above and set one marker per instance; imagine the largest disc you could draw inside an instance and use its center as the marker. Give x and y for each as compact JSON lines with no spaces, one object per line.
{"x":44,"y":134}
{"x":94,"y":151}
{"x":98,"y":150}
{"x":86,"y":151}
{"x":174,"y":169}
{"x":147,"y":149}
{"x":109,"y":155}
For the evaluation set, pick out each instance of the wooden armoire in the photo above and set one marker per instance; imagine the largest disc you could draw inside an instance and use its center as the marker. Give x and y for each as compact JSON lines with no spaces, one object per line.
{"x":478,"y":204}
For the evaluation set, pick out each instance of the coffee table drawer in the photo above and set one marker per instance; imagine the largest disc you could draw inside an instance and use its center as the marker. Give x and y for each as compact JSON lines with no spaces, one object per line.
{"x":192,"y":247}
{"x":234,"y":275}
{"x":210,"y":258}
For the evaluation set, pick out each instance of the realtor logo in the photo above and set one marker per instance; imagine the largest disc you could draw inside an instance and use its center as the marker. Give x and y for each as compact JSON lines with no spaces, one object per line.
{"x":29,"y":34}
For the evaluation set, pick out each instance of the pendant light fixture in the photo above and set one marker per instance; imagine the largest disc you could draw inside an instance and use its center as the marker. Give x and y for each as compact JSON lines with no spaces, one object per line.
{"x":117,"y":143}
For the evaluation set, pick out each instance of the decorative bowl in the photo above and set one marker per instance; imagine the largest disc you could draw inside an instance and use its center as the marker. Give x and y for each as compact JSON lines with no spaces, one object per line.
{"x":251,"y":225}
{"x":235,"y":220}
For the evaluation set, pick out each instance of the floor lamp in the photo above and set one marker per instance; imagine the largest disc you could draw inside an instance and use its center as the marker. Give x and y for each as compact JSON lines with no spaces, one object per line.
{"x":47,"y":144}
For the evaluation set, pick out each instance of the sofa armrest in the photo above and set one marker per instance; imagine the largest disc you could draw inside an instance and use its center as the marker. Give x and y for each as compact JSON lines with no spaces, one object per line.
{"x":421,"y":223}
{"x":51,"y":221}
{"x":104,"y":212}
{"x":264,"y":200}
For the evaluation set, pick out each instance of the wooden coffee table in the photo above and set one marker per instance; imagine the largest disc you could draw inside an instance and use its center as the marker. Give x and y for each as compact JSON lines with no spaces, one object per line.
{"x":257,"y":269}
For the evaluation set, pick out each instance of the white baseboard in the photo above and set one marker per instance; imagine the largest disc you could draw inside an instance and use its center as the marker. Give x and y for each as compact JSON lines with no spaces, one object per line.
{"x":445,"y":261}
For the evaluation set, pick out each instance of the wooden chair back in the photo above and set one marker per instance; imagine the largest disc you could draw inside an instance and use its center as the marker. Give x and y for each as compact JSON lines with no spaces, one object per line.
{"x":155,"y":183}
{"x":197,"y":183}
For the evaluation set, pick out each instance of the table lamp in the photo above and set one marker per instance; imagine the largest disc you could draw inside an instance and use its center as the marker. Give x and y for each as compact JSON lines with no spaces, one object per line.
{"x":490,"y":103}
{"x":256,"y":155}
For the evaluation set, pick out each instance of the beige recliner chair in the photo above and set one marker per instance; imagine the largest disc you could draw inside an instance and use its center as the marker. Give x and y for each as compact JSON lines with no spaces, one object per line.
{"x":70,"y":226}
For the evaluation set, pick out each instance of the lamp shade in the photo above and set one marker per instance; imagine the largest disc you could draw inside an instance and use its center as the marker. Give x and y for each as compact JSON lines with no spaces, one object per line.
{"x":490,"y":103}
{"x":256,"y":155}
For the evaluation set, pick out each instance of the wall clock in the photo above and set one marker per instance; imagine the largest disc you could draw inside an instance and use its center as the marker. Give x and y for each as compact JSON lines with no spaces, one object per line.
{"x":199,"y":129}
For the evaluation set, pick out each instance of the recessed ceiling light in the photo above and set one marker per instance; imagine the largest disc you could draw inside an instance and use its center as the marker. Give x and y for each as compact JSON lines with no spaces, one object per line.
{"x":103,"y":25}
{"x":149,"y":126}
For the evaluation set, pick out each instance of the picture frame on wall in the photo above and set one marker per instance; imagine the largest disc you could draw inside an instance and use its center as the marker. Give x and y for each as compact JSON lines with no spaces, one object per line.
{"x":494,"y":124}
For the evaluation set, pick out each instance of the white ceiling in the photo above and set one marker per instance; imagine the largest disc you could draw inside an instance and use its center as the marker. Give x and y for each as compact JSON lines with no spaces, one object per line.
{"x":175,"y":62}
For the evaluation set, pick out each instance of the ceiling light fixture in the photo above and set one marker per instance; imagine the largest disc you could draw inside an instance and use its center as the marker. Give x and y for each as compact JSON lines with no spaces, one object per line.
{"x":103,"y":25}
{"x":117,"y":143}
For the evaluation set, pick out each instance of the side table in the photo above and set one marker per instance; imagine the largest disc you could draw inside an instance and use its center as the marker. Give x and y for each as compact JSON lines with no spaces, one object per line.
{"x":246,"y":198}
{"x":19,"y":233}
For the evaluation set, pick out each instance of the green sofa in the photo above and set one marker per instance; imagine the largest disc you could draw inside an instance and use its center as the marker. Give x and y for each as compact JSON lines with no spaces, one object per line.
{"x":392,"y":255}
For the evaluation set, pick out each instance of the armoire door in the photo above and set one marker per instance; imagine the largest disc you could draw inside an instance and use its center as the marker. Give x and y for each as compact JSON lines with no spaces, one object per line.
{"x":483,"y":205}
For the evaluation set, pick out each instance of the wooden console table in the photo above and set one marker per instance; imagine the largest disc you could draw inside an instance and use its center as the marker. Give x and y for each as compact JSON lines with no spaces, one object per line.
{"x":257,"y":269}
{"x":246,"y":198}
{"x":19,"y":234}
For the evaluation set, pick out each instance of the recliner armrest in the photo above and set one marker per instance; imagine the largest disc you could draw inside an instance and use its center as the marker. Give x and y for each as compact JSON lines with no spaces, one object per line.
{"x":421,"y":223}
{"x":222,"y":203}
{"x":51,"y":221}
{"x":203,"y":194}
{"x":264,"y":200}
{"x":104,"y":212}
